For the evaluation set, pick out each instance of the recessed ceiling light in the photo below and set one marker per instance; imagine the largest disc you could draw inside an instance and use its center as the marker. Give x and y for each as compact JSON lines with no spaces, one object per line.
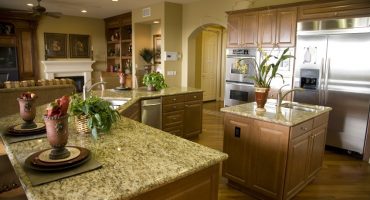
{"x":84,"y":11}
{"x":156,"y":22}
{"x":30,"y":4}
{"x":114,"y":0}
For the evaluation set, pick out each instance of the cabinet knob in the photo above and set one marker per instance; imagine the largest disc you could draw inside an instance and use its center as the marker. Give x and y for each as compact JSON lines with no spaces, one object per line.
{"x":304,"y":128}
{"x":174,"y":99}
{"x":195,"y":97}
{"x":174,"y":107}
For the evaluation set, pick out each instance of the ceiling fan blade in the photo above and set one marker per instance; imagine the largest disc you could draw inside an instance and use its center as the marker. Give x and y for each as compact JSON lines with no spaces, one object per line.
{"x":54,"y":14}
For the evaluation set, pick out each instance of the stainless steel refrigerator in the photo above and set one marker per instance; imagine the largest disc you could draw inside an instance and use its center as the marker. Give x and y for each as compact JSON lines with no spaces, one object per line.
{"x":333,"y":66}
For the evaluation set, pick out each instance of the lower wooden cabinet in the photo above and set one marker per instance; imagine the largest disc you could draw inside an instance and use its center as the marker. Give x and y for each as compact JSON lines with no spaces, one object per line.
{"x":273,"y":161}
{"x":193,"y":118}
{"x":133,"y":112}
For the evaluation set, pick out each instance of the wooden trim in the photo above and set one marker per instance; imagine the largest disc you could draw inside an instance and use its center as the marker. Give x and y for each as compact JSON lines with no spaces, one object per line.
{"x":366,"y":156}
{"x":200,"y":185}
{"x":303,"y":3}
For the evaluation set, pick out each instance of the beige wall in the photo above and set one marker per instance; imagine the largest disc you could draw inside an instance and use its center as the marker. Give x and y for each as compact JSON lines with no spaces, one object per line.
{"x":75,"y":25}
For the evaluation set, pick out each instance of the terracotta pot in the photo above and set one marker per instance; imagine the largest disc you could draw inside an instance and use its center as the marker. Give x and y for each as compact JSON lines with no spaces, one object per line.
{"x":57,"y":135}
{"x":27,"y":111}
{"x":261,"y":98}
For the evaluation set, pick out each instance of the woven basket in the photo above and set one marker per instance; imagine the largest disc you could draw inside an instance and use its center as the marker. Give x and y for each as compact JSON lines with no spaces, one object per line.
{"x":81,"y":124}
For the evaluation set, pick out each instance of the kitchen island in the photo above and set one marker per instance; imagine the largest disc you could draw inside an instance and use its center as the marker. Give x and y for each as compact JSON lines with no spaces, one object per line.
{"x":274,"y":154}
{"x":138,"y":162}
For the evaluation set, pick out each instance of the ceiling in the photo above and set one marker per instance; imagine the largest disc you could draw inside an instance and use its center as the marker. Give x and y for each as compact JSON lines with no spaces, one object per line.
{"x":95,"y":8}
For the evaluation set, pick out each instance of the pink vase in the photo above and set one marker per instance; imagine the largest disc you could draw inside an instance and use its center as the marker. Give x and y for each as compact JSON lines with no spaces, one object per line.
{"x":57,"y":135}
{"x":27,"y":111}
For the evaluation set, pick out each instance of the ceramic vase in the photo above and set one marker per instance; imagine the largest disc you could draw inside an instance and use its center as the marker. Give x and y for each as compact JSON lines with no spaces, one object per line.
{"x":151,"y":88}
{"x":261,"y":98}
{"x":57,"y":135}
{"x":27,"y":111}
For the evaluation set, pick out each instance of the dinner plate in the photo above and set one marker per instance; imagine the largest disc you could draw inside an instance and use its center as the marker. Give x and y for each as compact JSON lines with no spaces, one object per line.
{"x":32,"y":162}
{"x":122,"y":88}
{"x":40,"y":129}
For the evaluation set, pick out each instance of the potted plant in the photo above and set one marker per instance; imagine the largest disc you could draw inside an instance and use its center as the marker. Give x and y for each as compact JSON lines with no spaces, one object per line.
{"x":265,"y":72}
{"x":147,"y":55}
{"x":154,"y":81}
{"x":93,"y":114}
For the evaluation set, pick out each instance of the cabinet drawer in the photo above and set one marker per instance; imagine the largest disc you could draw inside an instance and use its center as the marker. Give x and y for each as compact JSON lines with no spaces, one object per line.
{"x":322,"y":119}
{"x":173,"y":119}
{"x":194,"y":96}
{"x":173,"y":107}
{"x":176,"y":130}
{"x":172,"y":99}
{"x":301,"y":128}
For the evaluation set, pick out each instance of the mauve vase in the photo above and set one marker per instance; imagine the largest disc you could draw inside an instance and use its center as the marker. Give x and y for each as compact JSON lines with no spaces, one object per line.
{"x":27,"y":111}
{"x":57,"y":135}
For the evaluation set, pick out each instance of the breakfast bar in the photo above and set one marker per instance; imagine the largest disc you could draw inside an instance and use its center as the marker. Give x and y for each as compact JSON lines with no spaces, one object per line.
{"x":137,"y":160}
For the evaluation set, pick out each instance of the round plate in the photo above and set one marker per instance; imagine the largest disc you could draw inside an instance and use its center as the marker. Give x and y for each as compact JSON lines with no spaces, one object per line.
{"x":32,"y":162}
{"x":18,"y":128}
{"x":122,"y":88}
{"x":44,"y":156}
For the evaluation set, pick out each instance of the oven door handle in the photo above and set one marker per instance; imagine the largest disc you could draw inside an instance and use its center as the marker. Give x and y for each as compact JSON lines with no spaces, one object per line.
{"x":240,"y":84}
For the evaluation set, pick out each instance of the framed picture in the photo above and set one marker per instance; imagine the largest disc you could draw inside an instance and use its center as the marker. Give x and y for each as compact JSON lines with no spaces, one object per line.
{"x":55,"y":45}
{"x":79,"y":46}
{"x":157,"y":49}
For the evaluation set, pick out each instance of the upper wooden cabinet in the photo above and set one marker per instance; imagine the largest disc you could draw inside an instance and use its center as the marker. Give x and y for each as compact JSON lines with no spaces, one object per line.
{"x":337,"y":9}
{"x":270,"y":28}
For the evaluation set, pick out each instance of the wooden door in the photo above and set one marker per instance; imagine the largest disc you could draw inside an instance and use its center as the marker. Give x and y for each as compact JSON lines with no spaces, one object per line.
{"x":286,"y":27}
{"x":267,"y":28}
{"x":193,"y":118}
{"x":317,"y":148}
{"x":269,"y":156}
{"x":298,"y":156}
{"x":237,"y":140}
{"x":210,"y":61}
{"x":234,"y":27}
{"x":250,"y":29}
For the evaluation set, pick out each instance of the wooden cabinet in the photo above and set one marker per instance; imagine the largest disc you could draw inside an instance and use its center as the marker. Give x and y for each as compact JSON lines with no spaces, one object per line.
{"x":273,"y":161}
{"x":182,"y":114}
{"x":266,"y":28}
{"x":337,"y":9}
{"x":119,"y":43}
{"x":133,"y":112}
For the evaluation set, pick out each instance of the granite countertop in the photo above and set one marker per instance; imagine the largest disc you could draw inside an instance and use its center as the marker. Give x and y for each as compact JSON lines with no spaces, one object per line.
{"x":136,"y":94}
{"x":136,"y":158}
{"x":286,"y":116}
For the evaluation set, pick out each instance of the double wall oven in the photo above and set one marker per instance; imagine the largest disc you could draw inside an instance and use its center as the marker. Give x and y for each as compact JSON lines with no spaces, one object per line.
{"x":240,"y":68}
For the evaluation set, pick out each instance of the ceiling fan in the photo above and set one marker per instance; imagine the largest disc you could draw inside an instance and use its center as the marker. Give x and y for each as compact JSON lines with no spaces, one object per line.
{"x":38,"y":10}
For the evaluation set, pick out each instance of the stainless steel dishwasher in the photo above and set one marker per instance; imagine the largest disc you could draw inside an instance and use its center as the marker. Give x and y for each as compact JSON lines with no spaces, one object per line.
{"x":151,"y":112}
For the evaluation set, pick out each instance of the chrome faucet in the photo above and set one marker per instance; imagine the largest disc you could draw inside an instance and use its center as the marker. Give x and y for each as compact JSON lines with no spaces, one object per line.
{"x":86,"y":90}
{"x":281,"y":96}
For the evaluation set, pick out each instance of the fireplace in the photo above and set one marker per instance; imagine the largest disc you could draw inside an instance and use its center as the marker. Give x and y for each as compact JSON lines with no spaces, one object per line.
{"x":79,"y":81}
{"x":73,"y":69}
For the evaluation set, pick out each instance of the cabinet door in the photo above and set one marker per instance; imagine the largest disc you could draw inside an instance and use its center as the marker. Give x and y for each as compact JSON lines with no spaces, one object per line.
{"x":297,"y":164}
{"x":193,"y":118}
{"x":250,"y":30}
{"x":234,"y":28}
{"x":237,"y":138}
{"x":317,"y":147}
{"x":26,"y":54}
{"x":286,"y":27}
{"x":267,"y":28}
{"x":269,"y":156}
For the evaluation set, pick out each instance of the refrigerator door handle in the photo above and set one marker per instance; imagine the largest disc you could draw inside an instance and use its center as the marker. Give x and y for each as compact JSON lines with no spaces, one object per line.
{"x":321,"y":81}
{"x":326,"y":81}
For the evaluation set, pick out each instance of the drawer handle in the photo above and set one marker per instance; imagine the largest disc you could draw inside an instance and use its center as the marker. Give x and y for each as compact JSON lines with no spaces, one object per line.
{"x":174,"y":99}
{"x":304,"y":128}
{"x":174,"y":118}
{"x":195,"y":97}
{"x":174,"y":107}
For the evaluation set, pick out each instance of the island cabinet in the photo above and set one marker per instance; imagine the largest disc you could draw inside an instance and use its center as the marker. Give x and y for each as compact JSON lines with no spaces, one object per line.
{"x":133,"y":112}
{"x":270,"y":160}
{"x":264,"y":28}
{"x":182,"y":114}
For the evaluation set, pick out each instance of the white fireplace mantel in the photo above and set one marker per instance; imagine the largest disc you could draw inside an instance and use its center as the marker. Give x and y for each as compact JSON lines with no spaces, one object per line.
{"x":66,"y":68}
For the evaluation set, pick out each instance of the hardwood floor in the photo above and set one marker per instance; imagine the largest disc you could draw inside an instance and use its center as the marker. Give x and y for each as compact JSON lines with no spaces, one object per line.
{"x":342,"y":177}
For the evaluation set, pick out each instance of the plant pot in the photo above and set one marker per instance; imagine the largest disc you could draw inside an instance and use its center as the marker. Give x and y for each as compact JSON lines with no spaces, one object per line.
{"x":148,"y":68}
{"x":27,"y":111}
{"x":81,"y":124}
{"x":151,"y":88}
{"x":57,"y":135}
{"x":261,"y":95}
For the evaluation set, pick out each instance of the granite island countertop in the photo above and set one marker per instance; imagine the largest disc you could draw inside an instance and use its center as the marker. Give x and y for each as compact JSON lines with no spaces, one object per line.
{"x":135,"y":157}
{"x":286,"y":116}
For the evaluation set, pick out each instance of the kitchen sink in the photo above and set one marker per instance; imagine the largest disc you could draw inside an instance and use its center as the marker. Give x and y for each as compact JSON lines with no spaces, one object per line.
{"x":308,"y":108}
{"x":116,"y":102}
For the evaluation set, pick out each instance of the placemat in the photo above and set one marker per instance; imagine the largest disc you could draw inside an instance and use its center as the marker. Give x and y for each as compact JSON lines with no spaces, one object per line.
{"x":14,"y":139}
{"x":38,"y":178}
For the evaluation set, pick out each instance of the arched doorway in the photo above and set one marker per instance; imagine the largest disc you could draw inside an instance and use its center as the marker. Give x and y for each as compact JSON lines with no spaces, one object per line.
{"x":205,"y":61}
